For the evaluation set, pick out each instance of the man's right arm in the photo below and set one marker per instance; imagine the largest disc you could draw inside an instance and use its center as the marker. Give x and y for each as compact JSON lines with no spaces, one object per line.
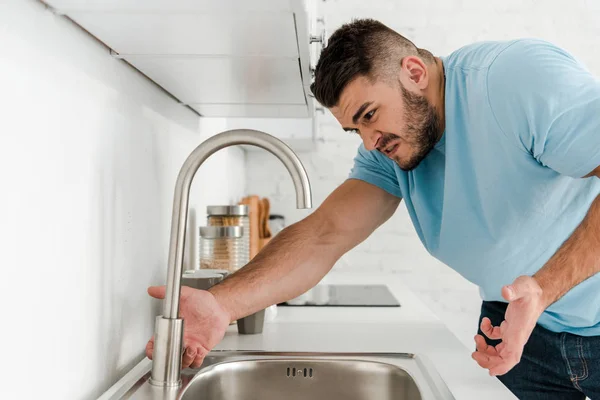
{"x":293,"y":262}
{"x":302,"y":254}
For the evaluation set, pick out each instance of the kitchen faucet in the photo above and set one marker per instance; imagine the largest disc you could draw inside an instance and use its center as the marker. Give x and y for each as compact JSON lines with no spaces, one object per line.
{"x":168,"y":330}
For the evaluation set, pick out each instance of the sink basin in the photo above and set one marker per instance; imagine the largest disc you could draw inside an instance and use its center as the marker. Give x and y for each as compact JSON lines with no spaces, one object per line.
{"x":303,"y":378}
{"x":244,"y":375}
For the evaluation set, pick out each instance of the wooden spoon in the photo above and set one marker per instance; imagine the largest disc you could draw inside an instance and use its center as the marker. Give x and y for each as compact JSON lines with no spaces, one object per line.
{"x":266,"y":213}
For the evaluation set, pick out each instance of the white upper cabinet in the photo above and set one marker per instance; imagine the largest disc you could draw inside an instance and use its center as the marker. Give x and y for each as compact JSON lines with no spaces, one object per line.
{"x":251,"y":80}
{"x":225,"y":58}
{"x":172,"y":5}
{"x":223,"y":33}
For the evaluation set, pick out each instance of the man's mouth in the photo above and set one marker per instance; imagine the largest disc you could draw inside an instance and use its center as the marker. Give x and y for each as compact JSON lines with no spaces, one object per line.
{"x":391,"y":149}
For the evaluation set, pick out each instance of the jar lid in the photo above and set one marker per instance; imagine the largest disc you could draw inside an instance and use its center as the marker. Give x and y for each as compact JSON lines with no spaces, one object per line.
{"x":213,"y":232}
{"x":239,"y":210}
{"x":205,"y":273}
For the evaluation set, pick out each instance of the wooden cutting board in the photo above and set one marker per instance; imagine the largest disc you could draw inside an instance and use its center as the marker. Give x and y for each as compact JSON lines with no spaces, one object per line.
{"x":265,"y":232}
{"x":266,"y":211}
{"x":253,"y":216}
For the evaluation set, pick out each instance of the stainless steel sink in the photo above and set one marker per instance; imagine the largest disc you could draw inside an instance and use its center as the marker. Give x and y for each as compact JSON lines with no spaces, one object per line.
{"x":302,"y":379}
{"x":294,"y":376}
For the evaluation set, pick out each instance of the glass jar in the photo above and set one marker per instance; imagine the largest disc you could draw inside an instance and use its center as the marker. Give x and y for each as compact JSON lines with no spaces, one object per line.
{"x":229,"y":215}
{"x":222,"y":248}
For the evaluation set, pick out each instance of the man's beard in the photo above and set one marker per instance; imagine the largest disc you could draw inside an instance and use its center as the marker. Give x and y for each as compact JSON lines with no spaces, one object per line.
{"x":422,"y":129}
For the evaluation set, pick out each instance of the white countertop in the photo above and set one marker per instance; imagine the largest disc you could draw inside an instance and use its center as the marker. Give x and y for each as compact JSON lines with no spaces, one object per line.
{"x":411,"y":328}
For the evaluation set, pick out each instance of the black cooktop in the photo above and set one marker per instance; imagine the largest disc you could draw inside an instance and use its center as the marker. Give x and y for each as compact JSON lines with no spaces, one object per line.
{"x":346,"y":296}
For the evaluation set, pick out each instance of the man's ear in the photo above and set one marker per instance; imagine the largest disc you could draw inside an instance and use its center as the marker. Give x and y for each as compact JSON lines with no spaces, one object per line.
{"x":416,"y":71}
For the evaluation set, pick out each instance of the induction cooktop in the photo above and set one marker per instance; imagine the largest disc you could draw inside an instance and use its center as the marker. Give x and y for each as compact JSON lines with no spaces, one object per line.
{"x":346,"y":296}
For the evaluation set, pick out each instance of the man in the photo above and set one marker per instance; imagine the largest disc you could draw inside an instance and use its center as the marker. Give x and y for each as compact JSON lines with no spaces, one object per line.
{"x":496,"y":151}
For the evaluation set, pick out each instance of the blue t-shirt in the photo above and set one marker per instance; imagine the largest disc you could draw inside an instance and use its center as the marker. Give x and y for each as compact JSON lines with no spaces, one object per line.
{"x":502,"y":189}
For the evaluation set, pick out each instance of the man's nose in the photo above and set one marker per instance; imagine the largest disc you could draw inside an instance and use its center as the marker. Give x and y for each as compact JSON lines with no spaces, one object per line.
{"x":371,"y":138}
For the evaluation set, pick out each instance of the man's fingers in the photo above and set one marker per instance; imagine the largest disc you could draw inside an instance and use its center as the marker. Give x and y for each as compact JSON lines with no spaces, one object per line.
{"x":197,"y":363}
{"x":500,"y":348}
{"x":482,"y":359}
{"x":158,"y":292}
{"x":522,"y":286}
{"x":492,"y":332}
{"x":498,"y":360}
{"x":486,"y":360}
{"x":496,"y":365}
{"x":150,"y":348}
{"x":188,"y":357}
{"x":486,"y":356}
{"x":480,"y":343}
{"x":508,"y":292}
{"x":483,"y":347}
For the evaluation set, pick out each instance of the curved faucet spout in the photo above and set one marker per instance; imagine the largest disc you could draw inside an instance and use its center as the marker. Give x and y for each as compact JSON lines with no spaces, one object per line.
{"x":167,"y":350}
{"x":182,"y":192}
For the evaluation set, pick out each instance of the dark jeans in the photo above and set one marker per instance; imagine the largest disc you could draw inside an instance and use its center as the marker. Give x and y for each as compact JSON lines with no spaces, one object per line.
{"x":559,"y":366}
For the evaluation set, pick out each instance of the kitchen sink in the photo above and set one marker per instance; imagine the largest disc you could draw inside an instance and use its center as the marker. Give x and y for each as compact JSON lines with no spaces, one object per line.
{"x":243,"y":375}
{"x":299,"y":379}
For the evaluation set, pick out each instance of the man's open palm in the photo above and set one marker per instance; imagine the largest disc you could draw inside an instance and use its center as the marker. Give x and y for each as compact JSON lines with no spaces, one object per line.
{"x":523,"y":311}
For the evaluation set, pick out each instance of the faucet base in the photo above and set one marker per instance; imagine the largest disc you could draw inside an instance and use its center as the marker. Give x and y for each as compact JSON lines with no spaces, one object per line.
{"x":166,"y":357}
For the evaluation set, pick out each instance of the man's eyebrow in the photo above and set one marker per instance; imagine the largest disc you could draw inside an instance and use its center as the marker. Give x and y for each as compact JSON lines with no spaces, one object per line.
{"x":360,"y":111}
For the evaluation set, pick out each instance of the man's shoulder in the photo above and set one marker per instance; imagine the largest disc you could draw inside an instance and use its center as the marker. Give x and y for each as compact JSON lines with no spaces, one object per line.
{"x":481,"y":55}
{"x":374,"y":158}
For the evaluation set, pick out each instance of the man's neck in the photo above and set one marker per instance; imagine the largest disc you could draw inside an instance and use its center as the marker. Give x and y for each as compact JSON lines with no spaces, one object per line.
{"x":436,"y":96}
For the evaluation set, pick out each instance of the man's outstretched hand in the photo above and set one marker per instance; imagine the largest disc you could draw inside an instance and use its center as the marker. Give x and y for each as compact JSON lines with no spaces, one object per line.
{"x":524,"y":309}
{"x":205,"y":322}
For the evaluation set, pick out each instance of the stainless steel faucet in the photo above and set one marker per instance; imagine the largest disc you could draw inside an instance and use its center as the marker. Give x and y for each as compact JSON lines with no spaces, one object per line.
{"x":168,"y":330}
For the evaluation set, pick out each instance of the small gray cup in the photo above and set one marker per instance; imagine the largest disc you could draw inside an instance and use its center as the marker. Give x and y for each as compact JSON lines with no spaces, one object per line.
{"x":202,"y":279}
{"x":252,"y":324}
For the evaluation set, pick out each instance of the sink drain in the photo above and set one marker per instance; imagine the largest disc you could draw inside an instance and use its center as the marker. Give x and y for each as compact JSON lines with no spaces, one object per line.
{"x":293,"y":372}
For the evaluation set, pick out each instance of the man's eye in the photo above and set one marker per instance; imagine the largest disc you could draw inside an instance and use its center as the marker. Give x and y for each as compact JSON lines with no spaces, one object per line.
{"x":369,"y":115}
{"x":354,"y":131}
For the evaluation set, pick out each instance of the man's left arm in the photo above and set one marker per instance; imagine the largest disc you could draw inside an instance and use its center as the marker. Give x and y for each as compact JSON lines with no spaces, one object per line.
{"x":576,"y":260}
{"x":560,"y":102}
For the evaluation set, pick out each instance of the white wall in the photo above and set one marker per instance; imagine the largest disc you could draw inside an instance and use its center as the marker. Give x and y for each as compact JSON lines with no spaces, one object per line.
{"x":441,"y":26}
{"x":89,"y":153}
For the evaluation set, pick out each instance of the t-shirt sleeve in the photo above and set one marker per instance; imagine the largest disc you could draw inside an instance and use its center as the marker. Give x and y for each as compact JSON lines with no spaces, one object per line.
{"x":549,"y":102}
{"x":370,"y":168}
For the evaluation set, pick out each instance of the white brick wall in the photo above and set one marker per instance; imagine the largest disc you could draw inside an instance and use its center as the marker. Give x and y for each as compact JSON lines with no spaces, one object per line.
{"x":441,"y":27}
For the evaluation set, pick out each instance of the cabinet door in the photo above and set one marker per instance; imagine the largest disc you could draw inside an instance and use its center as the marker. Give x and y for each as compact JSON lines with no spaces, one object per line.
{"x":133,"y":6}
{"x":237,"y":80}
{"x":253,"y":33}
{"x":236,"y":58}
